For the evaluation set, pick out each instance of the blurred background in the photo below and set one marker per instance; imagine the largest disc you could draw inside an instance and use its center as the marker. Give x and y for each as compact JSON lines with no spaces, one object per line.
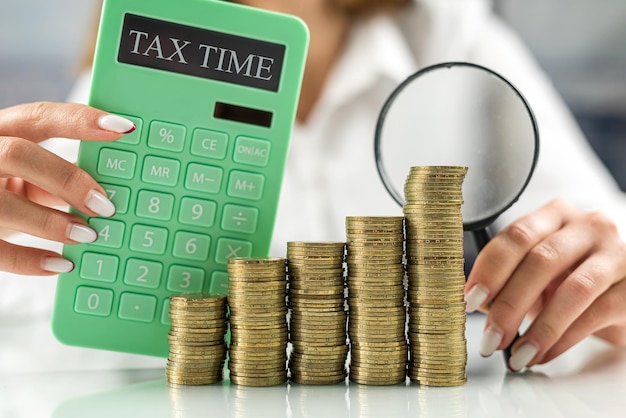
{"x":581,"y":44}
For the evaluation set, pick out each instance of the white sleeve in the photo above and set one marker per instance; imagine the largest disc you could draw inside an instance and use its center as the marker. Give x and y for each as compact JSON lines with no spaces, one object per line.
{"x":567,"y":166}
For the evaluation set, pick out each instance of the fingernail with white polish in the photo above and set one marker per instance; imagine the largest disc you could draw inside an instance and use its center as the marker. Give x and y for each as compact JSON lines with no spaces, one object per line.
{"x":116,"y":123}
{"x":99,"y":203}
{"x":522,"y":356}
{"x":492,"y":337}
{"x":475,"y":297}
{"x":81,"y":233}
{"x":57,"y":265}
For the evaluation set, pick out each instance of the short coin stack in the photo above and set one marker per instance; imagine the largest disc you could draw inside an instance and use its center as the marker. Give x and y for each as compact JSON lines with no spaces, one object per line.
{"x":434,"y":228}
{"x":318,"y":314}
{"x":197,"y":346}
{"x":257,"y":293}
{"x":377,"y":313}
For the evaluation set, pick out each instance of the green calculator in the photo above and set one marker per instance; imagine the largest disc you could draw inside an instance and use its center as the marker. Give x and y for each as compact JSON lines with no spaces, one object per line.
{"x":212,"y":88}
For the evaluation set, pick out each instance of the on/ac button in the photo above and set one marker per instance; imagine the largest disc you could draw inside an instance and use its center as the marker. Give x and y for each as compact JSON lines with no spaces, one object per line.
{"x":252,"y":151}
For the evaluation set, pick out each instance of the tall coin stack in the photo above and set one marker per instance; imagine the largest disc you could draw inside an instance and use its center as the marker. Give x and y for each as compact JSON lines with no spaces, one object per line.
{"x":434,"y":227}
{"x":377,"y":313}
{"x":318,"y":314}
{"x":257,"y":291}
{"x":197,"y":346}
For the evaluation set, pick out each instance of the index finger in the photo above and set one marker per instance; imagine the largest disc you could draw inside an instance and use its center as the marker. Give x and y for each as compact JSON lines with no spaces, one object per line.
{"x":42,"y":120}
{"x":499,"y":259}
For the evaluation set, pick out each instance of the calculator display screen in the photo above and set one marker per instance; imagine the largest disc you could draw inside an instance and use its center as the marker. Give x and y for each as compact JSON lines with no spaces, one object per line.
{"x":200,"y":52}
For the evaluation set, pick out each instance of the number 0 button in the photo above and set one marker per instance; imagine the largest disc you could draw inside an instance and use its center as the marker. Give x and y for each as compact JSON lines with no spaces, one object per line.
{"x":93,"y":301}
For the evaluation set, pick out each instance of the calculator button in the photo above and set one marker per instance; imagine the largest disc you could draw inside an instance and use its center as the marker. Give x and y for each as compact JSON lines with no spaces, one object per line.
{"x":165,"y":314}
{"x":210,"y":144}
{"x":143,"y":273}
{"x":167,"y":136}
{"x":219,"y":282}
{"x":191,"y":246}
{"x":154,"y":205}
{"x":137,"y":307}
{"x":119,"y":195}
{"x":240,"y":219}
{"x":101,"y":267}
{"x":115,"y":163}
{"x":110,"y":233}
{"x":185,"y":279}
{"x":148,"y":239}
{"x":252,"y":151}
{"x":161,"y":171}
{"x":203,"y":178}
{"x":228,"y":248}
{"x":134,"y":137}
{"x":93,"y":301}
{"x":245,"y":185}
{"x":197,"y":212}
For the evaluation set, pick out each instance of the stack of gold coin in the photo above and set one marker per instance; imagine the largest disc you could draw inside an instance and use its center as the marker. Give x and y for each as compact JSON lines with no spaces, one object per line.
{"x":257,"y":290}
{"x":377,"y":313}
{"x":318,"y":315}
{"x":197,"y":346}
{"x":434,"y":228}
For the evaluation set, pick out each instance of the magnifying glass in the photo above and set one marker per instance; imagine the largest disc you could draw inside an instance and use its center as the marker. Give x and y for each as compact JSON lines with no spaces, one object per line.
{"x":460,"y":114}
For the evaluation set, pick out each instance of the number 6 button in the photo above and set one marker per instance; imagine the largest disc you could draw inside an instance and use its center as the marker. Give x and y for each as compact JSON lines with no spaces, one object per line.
{"x":191,"y":246}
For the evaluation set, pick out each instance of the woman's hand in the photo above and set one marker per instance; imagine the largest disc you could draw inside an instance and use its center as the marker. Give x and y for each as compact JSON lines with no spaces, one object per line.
{"x":33,"y":179}
{"x":565,"y":270}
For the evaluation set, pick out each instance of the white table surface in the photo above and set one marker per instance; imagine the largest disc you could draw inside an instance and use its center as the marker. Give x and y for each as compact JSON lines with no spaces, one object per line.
{"x":587,"y":381}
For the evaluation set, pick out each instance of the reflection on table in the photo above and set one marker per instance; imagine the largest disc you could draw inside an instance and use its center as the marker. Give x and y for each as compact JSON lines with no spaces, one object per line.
{"x":589,"y":380}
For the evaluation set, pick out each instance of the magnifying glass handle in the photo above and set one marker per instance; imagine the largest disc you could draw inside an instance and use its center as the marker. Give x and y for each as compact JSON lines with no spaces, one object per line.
{"x":482,"y":237}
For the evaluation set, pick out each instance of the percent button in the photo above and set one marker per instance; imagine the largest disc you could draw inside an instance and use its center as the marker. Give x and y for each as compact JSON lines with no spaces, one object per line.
{"x":167,"y":136}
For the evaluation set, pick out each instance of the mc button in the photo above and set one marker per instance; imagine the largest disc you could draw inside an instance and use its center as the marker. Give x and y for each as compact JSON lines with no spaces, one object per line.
{"x":118,"y":164}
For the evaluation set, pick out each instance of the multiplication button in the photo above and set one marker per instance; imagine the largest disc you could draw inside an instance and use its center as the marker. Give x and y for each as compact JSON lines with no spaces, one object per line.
{"x":228,"y":248}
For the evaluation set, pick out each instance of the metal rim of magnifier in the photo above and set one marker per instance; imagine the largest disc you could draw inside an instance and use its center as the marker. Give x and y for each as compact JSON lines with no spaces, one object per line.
{"x":482,"y":223}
